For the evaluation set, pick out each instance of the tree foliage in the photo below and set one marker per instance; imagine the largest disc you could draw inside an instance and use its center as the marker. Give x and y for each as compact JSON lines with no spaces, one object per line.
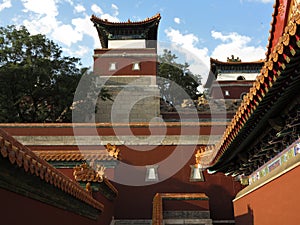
{"x":37,"y":83}
{"x":176,"y":76}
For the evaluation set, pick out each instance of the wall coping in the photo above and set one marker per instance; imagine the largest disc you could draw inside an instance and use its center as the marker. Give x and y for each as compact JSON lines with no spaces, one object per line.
{"x":273,"y":175}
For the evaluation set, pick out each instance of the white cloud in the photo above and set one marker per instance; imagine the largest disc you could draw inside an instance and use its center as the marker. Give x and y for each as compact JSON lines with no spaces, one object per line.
{"x":181,"y":39}
{"x":177,"y":20}
{"x":85,"y":26}
{"x":110,"y":17}
{"x":79,"y":52}
{"x":82,"y":50}
{"x":43,"y":19}
{"x":197,"y":58}
{"x":70,"y":2}
{"x":116,"y":9}
{"x":238,"y":45}
{"x":48,"y":7}
{"x":66,"y":34}
{"x":40,"y":24}
{"x":96,"y":9}
{"x":5,"y":4}
{"x":79,"y":8}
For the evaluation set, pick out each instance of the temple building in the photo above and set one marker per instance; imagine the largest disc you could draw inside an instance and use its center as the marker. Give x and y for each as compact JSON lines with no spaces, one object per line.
{"x":231,"y":79}
{"x":126,"y":66}
{"x":220,"y":172}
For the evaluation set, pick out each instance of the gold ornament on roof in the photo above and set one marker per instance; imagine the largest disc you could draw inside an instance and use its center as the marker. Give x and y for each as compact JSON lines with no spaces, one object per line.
{"x":199,"y":155}
{"x":113,"y":150}
{"x":85,"y":172}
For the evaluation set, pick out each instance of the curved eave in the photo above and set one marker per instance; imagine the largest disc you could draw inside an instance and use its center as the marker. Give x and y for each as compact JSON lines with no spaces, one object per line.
{"x":104,"y":27}
{"x":145,"y":22}
{"x":217,"y":62}
{"x":268,"y":90}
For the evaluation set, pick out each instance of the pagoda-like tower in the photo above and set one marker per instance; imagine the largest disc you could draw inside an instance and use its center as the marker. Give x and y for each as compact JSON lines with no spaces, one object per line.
{"x":126,"y":66}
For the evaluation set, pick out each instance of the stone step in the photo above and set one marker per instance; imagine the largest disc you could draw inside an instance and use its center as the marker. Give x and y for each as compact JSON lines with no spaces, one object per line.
{"x":188,"y":221}
{"x":131,"y":222}
{"x":186,"y":214}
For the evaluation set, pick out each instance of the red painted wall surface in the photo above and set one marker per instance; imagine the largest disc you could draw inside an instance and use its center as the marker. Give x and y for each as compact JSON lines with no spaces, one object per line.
{"x":108,"y":129}
{"x":218,"y":92}
{"x":136,"y":201}
{"x":146,"y":58}
{"x":188,"y":205}
{"x":275,"y":203}
{"x":16,"y":209}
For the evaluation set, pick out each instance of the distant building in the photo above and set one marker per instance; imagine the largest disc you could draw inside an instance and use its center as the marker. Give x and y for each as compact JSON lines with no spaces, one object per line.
{"x":126,"y":66}
{"x":231,"y":79}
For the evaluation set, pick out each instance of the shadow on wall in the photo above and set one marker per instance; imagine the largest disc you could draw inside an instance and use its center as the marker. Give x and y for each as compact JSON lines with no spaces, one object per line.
{"x":220,"y":202}
{"x":245,"y":219}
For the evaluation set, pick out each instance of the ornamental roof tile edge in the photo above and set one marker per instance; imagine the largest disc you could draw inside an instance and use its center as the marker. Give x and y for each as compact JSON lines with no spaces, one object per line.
{"x":213,"y":60}
{"x":74,"y":155}
{"x":24,"y":158}
{"x":265,"y":80}
{"x":129,"y":22}
{"x":271,"y":31}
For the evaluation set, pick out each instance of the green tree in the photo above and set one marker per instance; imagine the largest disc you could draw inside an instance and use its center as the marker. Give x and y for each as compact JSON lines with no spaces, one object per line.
{"x":175,"y":74}
{"x":88,"y":91}
{"x":37,"y":83}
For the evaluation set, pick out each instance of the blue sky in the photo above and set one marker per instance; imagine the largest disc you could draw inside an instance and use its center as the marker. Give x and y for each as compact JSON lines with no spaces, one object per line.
{"x":194,"y":30}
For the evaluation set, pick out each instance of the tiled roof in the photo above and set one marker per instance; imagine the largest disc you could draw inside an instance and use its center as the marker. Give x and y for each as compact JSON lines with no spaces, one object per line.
{"x":216,"y":61}
{"x":73,"y":155}
{"x":278,"y":9}
{"x":106,"y":22}
{"x":93,"y":173}
{"x":274,"y":71}
{"x":25,"y":159}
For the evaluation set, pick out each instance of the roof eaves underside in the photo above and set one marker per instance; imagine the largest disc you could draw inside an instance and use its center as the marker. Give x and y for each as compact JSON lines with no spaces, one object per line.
{"x":274,"y":88}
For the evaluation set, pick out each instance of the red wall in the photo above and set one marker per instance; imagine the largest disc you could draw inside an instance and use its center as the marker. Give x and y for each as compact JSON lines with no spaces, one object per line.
{"x":136,"y":202}
{"x":108,"y":129}
{"x":148,"y":62}
{"x":17,"y":209}
{"x":218,"y":92}
{"x":275,"y":203}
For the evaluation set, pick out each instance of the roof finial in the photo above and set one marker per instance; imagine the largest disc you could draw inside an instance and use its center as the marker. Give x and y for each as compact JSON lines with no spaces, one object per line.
{"x":232,"y":59}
